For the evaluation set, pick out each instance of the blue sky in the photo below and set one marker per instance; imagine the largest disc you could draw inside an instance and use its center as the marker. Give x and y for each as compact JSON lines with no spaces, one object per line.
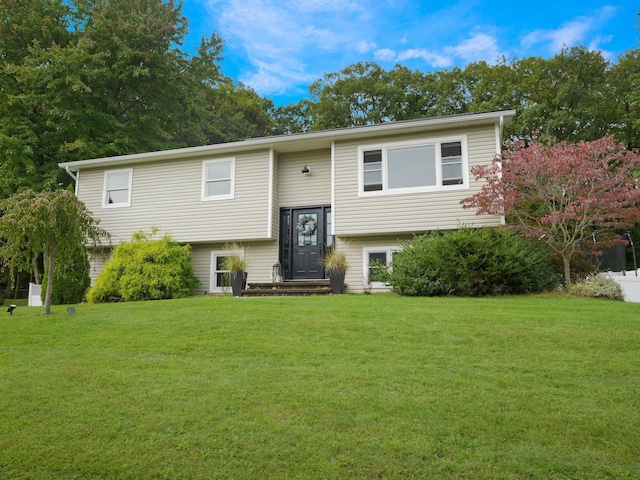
{"x":279,"y":47}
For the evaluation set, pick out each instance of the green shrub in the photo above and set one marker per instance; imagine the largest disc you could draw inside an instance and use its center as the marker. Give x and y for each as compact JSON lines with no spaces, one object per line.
{"x":599,"y":286}
{"x":471,"y":262}
{"x":70,"y":282}
{"x":146,"y":269}
{"x":413,"y":270}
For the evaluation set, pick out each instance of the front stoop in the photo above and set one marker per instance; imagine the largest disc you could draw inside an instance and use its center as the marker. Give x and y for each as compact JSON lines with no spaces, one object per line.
{"x":281,"y":289}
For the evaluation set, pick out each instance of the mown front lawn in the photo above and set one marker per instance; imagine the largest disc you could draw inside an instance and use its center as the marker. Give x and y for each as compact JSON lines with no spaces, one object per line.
{"x":354,"y":386}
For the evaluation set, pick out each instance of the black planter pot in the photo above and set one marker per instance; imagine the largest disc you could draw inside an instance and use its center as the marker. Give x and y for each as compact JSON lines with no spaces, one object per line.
{"x":238,"y":282}
{"x":336,"y":277}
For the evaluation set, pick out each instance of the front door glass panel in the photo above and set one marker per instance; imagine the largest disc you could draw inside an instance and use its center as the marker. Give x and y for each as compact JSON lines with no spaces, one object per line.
{"x":307,"y":226}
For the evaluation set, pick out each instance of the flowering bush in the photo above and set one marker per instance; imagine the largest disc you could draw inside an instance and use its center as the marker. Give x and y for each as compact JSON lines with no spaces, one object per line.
{"x":599,"y":286}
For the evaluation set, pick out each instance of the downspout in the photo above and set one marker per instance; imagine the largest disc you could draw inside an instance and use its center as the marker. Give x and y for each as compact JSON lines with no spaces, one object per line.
{"x":333,"y":191}
{"x":271,"y":200}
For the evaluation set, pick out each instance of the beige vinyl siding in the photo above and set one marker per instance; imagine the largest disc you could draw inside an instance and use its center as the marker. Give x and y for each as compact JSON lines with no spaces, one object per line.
{"x":415,"y":212}
{"x":262,"y":255}
{"x":298,"y":190}
{"x":353,"y":249}
{"x":97,"y":259}
{"x":201,"y":260}
{"x":260,"y":258}
{"x":168,"y":195}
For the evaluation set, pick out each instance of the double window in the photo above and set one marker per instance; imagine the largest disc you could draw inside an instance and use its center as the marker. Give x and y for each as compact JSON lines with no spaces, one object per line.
{"x":218,"y":177}
{"x":117,"y":188}
{"x":414,"y":167}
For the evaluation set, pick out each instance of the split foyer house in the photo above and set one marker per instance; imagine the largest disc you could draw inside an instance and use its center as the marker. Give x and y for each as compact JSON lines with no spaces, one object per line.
{"x":364,"y":190}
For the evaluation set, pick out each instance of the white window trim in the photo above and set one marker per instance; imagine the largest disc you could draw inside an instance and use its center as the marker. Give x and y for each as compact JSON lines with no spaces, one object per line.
{"x":437,"y":141}
{"x":213,"y":287}
{"x":366,"y":251}
{"x":219,"y":161}
{"x":105,"y":193}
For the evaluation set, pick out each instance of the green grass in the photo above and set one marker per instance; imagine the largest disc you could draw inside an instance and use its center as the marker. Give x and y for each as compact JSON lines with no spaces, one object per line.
{"x":353,"y":386}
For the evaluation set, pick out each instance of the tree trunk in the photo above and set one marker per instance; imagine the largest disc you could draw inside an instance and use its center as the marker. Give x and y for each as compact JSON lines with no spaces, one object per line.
{"x":16,"y":286}
{"x":566,"y":260}
{"x":49,"y":262}
{"x":37,"y":278}
{"x":7,"y":290}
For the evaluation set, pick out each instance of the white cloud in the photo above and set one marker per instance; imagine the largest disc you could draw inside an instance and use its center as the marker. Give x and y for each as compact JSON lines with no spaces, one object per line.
{"x":276,"y":78}
{"x":324,"y":5}
{"x":365,"y":47}
{"x":266,"y":78}
{"x":278,"y":35}
{"x":432,"y":58}
{"x":571,"y":32}
{"x":385,"y":55}
{"x":478,"y":47}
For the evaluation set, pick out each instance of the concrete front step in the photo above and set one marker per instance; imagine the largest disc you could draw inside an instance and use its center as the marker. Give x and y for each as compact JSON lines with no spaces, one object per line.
{"x":303,"y":288}
{"x":290,"y":292}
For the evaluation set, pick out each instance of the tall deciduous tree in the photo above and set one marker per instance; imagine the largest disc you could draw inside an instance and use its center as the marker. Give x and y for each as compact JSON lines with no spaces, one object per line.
{"x":364,"y":93}
{"x":94,"y":78}
{"x":563,"y":194}
{"x":52,"y":224}
{"x":566,"y":97}
{"x":625,"y":96}
{"x":574,"y":95}
{"x":293,"y":118}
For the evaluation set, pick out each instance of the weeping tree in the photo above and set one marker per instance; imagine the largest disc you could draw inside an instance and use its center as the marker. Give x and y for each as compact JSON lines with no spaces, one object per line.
{"x":52,"y":224}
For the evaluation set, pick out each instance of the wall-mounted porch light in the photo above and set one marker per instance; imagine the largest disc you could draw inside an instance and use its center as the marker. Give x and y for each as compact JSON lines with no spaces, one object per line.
{"x":306,"y":170}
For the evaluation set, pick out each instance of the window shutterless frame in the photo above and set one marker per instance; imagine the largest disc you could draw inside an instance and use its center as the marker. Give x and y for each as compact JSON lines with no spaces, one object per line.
{"x":382,"y":254}
{"x":425,"y":165}
{"x":218,"y":179}
{"x":219,"y":278}
{"x":117,"y":188}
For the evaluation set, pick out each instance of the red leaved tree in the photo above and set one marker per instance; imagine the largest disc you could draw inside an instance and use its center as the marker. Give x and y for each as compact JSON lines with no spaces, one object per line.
{"x":564,"y":194}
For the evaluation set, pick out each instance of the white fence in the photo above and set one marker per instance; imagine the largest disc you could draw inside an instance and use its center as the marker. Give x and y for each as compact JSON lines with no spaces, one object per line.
{"x":630,"y":284}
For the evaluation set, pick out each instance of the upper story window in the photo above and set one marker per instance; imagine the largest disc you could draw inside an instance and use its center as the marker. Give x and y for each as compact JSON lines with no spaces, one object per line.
{"x":372,"y":164}
{"x":117,"y":188}
{"x":409,"y":167}
{"x":451,"y":154}
{"x":218,"y":178}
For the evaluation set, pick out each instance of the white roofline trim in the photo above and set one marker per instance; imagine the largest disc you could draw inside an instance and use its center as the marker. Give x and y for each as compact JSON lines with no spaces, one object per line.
{"x":273,"y":142}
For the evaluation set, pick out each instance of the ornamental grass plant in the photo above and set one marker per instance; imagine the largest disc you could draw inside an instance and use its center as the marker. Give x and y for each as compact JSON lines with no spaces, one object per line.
{"x":335,"y":261}
{"x":235,"y":261}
